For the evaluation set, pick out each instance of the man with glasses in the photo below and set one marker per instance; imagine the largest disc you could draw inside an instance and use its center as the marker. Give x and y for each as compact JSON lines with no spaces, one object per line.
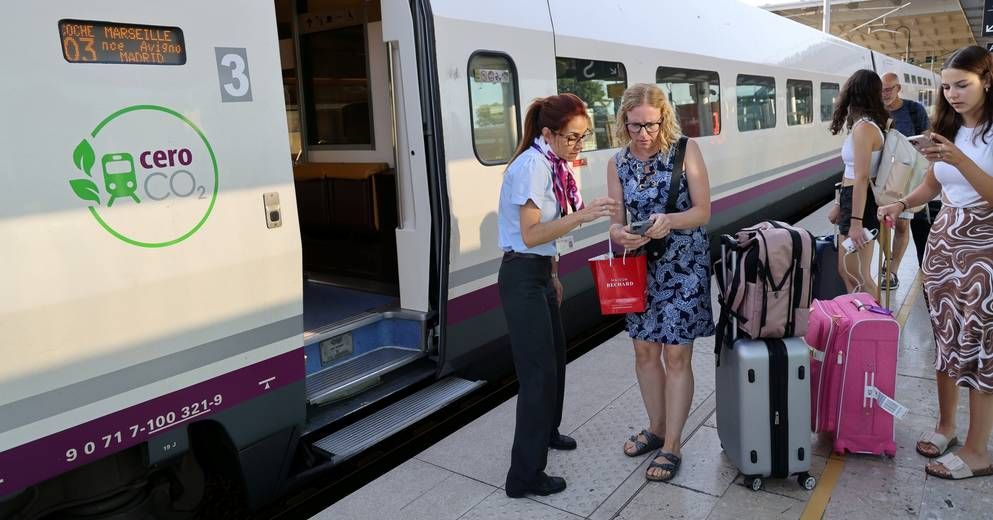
{"x":909,"y":118}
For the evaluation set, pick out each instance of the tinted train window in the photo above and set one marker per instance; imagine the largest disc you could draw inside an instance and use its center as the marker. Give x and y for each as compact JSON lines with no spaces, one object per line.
{"x":756,"y":102}
{"x":829,"y":94}
{"x":336,"y":87}
{"x":601,"y":85}
{"x":906,"y":77}
{"x":695,"y":95}
{"x":493,"y":107}
{"x":799,"y":102}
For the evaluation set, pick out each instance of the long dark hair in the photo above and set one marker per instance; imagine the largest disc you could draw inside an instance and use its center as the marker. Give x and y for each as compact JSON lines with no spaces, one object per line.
{"x":552,"y":112}
{"x":947,"y":121}
{"x":861,"y":97}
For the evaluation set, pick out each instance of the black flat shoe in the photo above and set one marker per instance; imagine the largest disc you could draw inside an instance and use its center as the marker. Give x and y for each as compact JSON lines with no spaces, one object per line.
{"x":544,"y":486}
{"x":562,"y":442}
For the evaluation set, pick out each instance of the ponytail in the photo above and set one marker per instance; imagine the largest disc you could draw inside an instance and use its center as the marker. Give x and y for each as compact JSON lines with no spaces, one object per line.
{"x":532,"y":128}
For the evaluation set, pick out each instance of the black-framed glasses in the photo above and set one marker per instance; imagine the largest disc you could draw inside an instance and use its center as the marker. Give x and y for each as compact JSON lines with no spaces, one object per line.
{"x":574,"y":139}
{"x":636,"y":128}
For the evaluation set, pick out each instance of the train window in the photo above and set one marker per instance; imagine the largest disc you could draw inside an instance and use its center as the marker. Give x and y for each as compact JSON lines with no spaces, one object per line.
{"x":756,"y":102}
{"x":829,"y":95}
{"x":906,"y":77}
{"x":601,"y":85}
{"x":493,"y":106}
{"x":695,"y":96}
{"x":799,"y":102}
{"x":336,"y":87}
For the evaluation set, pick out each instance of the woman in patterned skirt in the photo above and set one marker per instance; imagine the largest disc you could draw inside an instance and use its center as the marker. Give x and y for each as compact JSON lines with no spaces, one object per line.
{"x":678,"y":282}
{"x":958,"y":261}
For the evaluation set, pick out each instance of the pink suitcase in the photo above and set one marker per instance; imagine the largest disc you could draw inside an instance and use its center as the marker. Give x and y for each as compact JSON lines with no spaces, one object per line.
{"x":854,"y":347}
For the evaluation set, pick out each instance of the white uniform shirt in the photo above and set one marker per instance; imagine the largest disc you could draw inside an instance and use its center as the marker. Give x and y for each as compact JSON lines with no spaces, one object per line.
{"x":529,"y":177}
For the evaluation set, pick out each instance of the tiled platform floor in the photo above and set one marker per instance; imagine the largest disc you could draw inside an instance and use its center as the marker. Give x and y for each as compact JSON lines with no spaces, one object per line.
{"x":461,"y":477}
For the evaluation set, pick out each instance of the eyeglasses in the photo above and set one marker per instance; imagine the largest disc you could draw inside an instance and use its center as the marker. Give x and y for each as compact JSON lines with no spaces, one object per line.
{"x":574,"y":139}
{"x":651,"y":128}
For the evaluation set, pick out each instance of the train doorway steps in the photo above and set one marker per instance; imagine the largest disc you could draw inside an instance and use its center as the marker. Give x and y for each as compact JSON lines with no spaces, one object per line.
{"x":370,"y":430}
{"x":357,"y":374}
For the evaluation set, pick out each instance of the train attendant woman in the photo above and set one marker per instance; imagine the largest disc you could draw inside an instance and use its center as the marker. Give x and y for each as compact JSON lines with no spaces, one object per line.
{"x":539,"y":202}
{"x":958,"y":261}
{"x":679,"y":308}
{"x":860,"y":111}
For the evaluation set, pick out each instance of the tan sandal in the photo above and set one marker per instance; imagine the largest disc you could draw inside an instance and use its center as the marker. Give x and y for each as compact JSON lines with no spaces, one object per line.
{"x":956,"y":468}
{"x":939,"y":441}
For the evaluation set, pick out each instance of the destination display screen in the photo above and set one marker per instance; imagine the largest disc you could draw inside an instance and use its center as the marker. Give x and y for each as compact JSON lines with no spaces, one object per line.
{"x":86,"y":41}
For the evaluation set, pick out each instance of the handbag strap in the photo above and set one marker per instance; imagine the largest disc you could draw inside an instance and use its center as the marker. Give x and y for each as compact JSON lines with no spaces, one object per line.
{"x":677,"y":175}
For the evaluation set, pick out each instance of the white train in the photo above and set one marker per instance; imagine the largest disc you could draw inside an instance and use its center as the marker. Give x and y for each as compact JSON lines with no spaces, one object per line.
{"x":258,"y":237}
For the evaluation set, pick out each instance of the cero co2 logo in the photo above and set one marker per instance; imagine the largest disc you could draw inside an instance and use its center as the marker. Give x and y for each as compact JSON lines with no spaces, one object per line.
{"x":148,"y":174}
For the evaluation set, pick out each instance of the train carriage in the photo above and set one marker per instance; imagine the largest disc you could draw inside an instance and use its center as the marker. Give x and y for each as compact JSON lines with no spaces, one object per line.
{"x":259,"y":237}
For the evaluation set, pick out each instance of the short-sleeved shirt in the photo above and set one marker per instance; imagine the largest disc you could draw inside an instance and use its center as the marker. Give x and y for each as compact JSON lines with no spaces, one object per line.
{"x":529,"y":177}
{"x":910,"y":119}
{"x":956,"y":188}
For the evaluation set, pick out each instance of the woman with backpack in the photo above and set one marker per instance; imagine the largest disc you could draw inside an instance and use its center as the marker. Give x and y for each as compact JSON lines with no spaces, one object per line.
{"x":958,"y":261}
{"x":678,"y":308}
{"x":860,"y":111}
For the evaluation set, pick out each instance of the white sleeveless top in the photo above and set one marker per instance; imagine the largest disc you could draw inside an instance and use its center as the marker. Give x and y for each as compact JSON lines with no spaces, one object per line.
{"x":956,"y":189}
{"x":848,"y":151}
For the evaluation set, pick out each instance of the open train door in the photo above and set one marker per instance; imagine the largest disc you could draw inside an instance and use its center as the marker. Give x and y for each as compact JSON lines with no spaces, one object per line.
{"x":493,"y":58}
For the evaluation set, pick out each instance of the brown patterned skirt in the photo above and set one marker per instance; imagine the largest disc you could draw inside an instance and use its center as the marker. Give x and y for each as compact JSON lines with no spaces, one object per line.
{"x":958,"y":280}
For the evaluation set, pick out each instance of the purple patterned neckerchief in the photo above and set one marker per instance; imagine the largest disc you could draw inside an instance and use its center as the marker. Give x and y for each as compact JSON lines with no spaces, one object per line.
{"x":563,"y":183}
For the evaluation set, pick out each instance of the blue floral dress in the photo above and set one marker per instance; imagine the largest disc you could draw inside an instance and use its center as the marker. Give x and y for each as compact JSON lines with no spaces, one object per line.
{"x":678,"y":308}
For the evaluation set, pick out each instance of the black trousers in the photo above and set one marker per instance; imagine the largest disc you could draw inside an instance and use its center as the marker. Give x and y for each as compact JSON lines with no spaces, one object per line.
{"x":538,"y":344}
{"x":920,"y":228}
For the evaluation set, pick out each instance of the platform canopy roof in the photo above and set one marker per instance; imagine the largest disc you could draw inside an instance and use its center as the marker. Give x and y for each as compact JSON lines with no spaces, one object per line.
{"x":931,"y":29}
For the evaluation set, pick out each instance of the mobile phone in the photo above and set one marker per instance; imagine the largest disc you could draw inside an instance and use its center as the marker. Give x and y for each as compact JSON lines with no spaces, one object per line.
{"x":640,"y":227}
{"x":921,"y":141}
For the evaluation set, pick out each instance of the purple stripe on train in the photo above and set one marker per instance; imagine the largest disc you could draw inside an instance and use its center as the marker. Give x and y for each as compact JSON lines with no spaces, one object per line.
{"x":488,"y":298}
{"x":60,"y":452}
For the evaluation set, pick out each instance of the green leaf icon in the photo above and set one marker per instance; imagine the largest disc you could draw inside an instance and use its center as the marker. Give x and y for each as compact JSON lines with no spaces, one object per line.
{"x":84,"y":157}
{"x":85,"y":189}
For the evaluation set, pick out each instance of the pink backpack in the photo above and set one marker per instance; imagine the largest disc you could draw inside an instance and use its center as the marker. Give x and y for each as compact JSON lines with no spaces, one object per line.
{"x":765,"y":281}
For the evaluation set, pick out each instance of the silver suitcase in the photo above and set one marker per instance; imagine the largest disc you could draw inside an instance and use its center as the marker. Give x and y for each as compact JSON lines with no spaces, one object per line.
{"x":763,"y":409}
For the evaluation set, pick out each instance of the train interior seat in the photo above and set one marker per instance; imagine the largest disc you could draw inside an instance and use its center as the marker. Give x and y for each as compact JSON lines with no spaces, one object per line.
{"x":347,"y":214}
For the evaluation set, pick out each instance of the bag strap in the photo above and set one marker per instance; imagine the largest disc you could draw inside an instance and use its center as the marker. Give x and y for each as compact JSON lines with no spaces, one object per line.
{"x":677,"y":175}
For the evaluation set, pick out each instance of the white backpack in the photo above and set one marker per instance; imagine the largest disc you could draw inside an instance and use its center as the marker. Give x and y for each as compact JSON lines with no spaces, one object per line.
{"x":901,"y":168}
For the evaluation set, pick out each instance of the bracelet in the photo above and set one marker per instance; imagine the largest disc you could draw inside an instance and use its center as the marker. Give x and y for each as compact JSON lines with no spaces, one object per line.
{"x":856,"y":218}
{"x":555,"y":275}
{"x":904,"y":203}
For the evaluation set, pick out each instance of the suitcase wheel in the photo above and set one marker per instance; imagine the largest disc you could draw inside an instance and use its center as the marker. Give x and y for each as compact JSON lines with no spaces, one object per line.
{"x":806,"y":481}
{"x":754,"y":483}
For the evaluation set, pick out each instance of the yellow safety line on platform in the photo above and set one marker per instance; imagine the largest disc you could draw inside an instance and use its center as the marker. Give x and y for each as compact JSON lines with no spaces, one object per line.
{"x":825,"y":487}
{"x":836,"y":463}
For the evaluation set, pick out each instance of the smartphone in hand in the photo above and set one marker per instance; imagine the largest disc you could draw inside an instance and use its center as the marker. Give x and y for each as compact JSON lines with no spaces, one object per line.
{"x":921,"y":142}
{"x":640,"y":227}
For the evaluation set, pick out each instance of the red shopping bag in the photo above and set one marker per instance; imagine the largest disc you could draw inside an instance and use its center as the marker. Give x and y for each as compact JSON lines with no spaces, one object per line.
{"x":620,"y":282}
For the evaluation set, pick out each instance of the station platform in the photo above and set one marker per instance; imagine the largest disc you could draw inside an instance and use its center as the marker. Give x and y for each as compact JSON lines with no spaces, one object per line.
{"x":461,"y":477}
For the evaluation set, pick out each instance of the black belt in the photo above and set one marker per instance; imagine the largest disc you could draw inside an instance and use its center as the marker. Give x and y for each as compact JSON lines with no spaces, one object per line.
{"x":509,"y":255}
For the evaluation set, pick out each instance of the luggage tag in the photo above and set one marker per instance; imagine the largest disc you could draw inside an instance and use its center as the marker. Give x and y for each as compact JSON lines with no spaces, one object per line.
{"x":564,"y":244}
{"x":887,"y":403}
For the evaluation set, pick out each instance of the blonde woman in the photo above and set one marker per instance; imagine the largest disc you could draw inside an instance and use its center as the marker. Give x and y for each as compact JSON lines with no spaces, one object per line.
{"x":678,"y":309}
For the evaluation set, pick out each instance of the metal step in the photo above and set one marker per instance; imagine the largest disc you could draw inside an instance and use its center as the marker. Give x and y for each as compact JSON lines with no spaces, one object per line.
{"x":358,"y":436}
{"x":340,"y":380}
